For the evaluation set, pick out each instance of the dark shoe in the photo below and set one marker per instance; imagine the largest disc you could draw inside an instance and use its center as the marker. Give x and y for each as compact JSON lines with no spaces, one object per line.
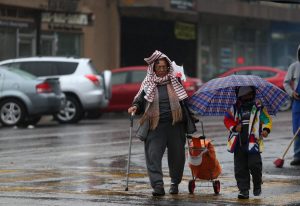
{"x":173,"y":189}
{"x":158,"y":191}
{"x":257,"y":191}
{"x":244,"y":194}
{"x":295,"y":162}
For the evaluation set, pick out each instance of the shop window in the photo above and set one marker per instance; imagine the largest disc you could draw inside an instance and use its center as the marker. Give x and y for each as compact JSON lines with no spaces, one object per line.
{"x":26,"y":47}
{"x":69,"y":44}
{"x":48,"y":46}
{"x":226,"y":33}
{"x":8,"y":43}
{"x":26,"y":43}
{"x":261,"y":36}
{"x":261,"y":54}
{"x":226,"y":55}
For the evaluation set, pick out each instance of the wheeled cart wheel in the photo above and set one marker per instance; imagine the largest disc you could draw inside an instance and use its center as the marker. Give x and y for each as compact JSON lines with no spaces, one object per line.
{"x":216,"y":186}
{"x":192,"y":186}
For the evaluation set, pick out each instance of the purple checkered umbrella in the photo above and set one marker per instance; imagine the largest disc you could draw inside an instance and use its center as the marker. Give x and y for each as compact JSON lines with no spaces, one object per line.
{"x":219,"y":94}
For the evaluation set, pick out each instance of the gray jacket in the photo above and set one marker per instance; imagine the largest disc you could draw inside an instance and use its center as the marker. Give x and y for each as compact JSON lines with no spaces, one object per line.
{"x":292,"y":77}
{"x":142,"y":106}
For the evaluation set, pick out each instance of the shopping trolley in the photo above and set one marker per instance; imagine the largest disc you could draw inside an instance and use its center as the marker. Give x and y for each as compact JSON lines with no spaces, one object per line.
{"x":203,"y":162}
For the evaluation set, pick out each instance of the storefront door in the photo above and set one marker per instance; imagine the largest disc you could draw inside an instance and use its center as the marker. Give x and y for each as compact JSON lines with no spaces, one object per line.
{"x":48,"y":45}
{"x":26,"y":45}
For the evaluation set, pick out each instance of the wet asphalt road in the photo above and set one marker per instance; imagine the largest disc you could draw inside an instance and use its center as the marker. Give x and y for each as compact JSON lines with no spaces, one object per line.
{"x":85,"y":164}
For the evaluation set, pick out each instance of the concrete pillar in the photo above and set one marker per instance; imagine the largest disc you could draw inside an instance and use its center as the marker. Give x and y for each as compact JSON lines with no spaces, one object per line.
{"x":101,"y":41}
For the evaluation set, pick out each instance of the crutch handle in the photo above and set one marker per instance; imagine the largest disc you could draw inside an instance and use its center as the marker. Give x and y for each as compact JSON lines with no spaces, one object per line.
{"x":131,"y":119}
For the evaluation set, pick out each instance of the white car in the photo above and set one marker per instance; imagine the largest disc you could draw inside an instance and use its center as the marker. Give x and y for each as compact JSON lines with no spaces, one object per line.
{"x":86,"y":89}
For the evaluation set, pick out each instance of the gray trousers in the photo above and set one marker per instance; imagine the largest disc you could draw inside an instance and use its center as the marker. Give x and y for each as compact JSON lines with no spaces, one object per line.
{"x":246,"y":164}
{"x":165,"y":136}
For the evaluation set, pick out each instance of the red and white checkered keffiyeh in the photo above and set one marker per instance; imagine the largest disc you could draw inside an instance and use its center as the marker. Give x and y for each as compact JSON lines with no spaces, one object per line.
{"x":151,"y":80}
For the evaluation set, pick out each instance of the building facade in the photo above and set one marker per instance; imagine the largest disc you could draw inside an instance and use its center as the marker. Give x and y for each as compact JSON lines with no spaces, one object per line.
{"x":217,"y":35}
{"x":78,"y":28}
{"x":206,"y":37}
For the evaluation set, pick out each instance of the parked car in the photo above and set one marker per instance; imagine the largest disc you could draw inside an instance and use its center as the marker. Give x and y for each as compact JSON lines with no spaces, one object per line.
{"x":126,"y":82}
{"x":24,"y":98}
{"x":86,"y":89}
{"x":271,"y":74}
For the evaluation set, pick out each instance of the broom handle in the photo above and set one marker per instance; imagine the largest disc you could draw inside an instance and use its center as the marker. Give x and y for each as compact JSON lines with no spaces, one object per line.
{"x":291,"y":143}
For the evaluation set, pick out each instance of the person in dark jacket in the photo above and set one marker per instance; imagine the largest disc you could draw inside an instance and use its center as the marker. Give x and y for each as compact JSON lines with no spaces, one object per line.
{"x":250,"y":119}
{"x":160,"y":101}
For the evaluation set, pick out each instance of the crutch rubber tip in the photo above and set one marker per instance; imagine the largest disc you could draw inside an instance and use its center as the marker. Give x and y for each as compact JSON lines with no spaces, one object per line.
{"x":126,"y":189}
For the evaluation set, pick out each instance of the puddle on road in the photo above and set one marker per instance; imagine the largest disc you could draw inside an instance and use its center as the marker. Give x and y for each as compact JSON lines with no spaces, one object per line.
{"x":78,"y":180}
{"x":112,"y":185}
{"x":118,"y":162}
{"x":98,"y":178}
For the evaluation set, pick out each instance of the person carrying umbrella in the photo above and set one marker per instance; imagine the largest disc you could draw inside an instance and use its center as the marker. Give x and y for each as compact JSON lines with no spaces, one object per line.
{"x":250,"y":121}
{"x":160,"y":101}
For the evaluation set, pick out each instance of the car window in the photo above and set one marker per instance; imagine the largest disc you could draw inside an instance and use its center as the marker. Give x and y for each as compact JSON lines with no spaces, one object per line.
{"x":39,"y":68}
{"x":64,"y":68}
{"x":22,"y":74}
{"x":263,"y":74}
{"x":119,"y":78}
{"x":93,"y":68}
{"x":13,"y":65}
{"x":45,"y":68}
{"x":243,"y":72}
{"x":137,"y":76}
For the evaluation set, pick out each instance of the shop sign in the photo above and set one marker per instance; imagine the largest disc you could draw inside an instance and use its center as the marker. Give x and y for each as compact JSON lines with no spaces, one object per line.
{"x":183,"y":4}
{"x":185,"y":31}
{"x":15,"y":24}
{"x":139,"y":3}
{"x":63,"y":5}
{"x":226,"y":56}
{"x":68,"y":19}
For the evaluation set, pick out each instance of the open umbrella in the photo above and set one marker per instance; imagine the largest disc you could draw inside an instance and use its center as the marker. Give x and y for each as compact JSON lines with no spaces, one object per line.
{"x":219,"y":94}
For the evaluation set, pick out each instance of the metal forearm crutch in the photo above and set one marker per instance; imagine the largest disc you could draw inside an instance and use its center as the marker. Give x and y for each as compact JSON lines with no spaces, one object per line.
{"x":129,"y":150}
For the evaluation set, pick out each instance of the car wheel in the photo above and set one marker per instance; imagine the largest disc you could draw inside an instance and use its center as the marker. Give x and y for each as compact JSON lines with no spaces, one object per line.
{"x":12,"y":112}
{"x":29,"y":121}
{"x":71,"y":113}
{"x":286,"y":106}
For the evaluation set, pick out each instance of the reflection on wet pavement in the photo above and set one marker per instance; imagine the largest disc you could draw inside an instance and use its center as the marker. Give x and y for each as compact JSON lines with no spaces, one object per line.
{"x":86,"y":164}
{"x":111,"y":184}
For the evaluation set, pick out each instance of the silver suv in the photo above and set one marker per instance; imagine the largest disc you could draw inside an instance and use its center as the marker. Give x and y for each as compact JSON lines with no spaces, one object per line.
{"x":86,"y":89}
